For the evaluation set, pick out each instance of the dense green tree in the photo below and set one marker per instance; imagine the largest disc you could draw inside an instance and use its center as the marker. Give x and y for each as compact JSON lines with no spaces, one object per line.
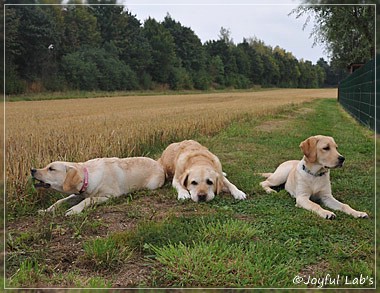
{"x":188,"y":46}
{"x":118,"y":25}
{"x":216,"y":70}
{"x":162,"y":50}
{"x":224,"y":49}
{"x":256,"y":69}
{"x":111,"y":21}
{"x":92,"y":68}
{"x":243,"y":59}
{"x":136,"y":51}
{"x":269,"y":69}
{"x":347,"y":31}
{"x":13,"y":83}
{"x":332,"y":73}
{"x":311,"y":76}
{"x":80,"y":29}
{"x":271,"y":72}
{"x":35,"y":35}
{"x":288,"y":68}
{"x":189,"y":50}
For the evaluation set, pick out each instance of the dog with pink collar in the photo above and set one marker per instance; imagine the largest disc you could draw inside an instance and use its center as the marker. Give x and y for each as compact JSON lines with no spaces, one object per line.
{"x":97,"y":180}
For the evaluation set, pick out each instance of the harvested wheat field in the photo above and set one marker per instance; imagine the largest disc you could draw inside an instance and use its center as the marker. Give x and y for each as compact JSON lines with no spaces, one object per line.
{"x":38,"y":132}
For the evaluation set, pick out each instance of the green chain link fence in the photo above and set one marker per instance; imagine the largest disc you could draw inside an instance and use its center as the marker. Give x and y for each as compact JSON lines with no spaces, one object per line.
{"x":357,"y":94}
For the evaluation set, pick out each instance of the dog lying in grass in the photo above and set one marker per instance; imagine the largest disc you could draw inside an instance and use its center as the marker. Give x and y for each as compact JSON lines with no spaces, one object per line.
{"x":311,"y":177}
{"x":99,"y":179}
{"x":196,"y":172}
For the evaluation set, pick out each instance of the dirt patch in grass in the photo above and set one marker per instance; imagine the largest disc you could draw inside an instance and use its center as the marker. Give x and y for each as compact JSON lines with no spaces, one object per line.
{"x":272,"y":125}
{"x":277,"y":125}
{"x":313,"y":269}
{"x":63,"y":254}
{"x":305,"y":111}
{"x":134,"y":274}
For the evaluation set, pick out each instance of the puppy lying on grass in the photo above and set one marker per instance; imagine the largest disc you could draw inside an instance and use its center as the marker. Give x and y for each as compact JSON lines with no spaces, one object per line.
{"x":196,"y":172}
{"x":99,"y":179}
{"x":311,"y":177}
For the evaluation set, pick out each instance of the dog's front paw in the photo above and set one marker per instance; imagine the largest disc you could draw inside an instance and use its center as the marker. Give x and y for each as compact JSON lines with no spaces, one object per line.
{"x":72,"y":211}
{"x":238,"y":194}
{"x":361,"y":215}
{"x":183,"y":195}
{"x":42,"y":212}
{"x":327,"y":215}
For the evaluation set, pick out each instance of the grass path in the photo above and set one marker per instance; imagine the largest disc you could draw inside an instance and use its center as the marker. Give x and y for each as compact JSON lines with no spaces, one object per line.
{"x":149,"y":239}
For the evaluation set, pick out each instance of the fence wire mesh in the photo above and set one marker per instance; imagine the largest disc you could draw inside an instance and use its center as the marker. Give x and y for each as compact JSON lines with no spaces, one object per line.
{"x":357,"y":94}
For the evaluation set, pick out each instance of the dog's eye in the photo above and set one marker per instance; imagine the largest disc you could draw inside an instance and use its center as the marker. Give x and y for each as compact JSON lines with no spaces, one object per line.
{"x":194,"y":183}
{"x":51,"y":169}
{"x":209,"y":182}
{"x":326,"y":148}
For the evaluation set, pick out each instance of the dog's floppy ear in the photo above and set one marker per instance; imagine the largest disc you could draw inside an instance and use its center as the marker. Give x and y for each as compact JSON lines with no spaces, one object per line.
{"x":219,"y":184}
{"x":72,"y":181}
{"x":184,"y":177}
{"x":309,"y":149}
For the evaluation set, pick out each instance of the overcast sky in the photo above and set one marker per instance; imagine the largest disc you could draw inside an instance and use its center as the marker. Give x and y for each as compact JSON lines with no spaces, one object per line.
{"x":266,"y":20}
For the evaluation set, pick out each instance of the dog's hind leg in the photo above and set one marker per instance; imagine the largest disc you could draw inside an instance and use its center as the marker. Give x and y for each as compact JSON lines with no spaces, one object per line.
{"x":278,"y":177}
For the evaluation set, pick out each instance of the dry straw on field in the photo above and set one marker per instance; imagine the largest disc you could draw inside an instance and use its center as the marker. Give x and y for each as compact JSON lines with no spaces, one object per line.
{"x":77,"y":130}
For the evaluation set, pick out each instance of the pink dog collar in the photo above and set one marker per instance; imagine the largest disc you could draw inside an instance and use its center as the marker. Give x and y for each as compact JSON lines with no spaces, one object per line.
{"x":85,"y":181}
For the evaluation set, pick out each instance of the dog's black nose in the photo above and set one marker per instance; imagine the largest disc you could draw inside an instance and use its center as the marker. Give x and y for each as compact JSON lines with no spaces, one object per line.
{"x":202,"y":196}
{"x":341,"y":159}
{"x":33,"y":171}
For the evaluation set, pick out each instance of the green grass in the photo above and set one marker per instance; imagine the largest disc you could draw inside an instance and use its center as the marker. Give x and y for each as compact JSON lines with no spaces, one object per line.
{"x":97,"y":282}
{"x":29,"y":272}
{"x":223,"y":254}
{"x":104,"y":253}
{"x":262,"y":242}
{"x":220,"y":264}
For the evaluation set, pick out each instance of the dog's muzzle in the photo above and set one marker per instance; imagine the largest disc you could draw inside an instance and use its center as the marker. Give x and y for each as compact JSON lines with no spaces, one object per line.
{"x":202,"y":197}
{"x":340,"y":161}
{"x":39,"y":183}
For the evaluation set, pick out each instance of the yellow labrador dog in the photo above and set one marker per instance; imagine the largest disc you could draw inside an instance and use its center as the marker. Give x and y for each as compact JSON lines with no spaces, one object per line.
{"x":99,"y":179}
{"x":196,"y":172}
{"x":311,"y":177}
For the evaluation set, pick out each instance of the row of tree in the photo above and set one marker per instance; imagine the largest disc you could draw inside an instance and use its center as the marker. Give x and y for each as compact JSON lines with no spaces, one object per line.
{"x":108,"y":48}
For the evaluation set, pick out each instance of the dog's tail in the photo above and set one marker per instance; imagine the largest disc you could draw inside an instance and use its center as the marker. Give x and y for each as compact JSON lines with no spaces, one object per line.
{"x":266,"y":175}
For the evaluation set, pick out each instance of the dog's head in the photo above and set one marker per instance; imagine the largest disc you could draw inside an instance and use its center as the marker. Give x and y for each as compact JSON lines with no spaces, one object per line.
{"x":203,"y":183}
{"x":322,"y":150}
{"x":60,"y":176}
